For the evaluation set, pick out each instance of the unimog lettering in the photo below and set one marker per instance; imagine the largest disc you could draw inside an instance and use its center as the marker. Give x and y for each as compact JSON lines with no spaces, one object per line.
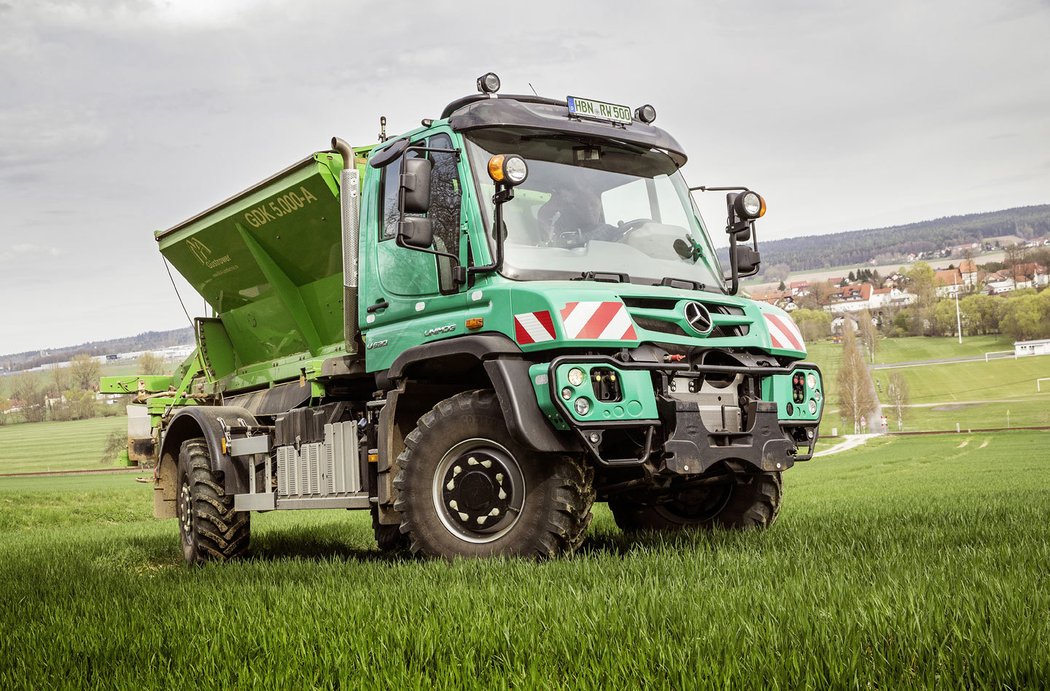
{"x":611,"y":360}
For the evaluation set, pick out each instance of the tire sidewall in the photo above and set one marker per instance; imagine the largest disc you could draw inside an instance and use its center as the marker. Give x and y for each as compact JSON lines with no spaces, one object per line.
{"x":481,"y":422}
{"x":188,"y":542}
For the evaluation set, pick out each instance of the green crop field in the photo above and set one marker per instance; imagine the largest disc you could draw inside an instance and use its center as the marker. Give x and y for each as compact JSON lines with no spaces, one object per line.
{"x":913,"y":562}
{"x":47,"y":446}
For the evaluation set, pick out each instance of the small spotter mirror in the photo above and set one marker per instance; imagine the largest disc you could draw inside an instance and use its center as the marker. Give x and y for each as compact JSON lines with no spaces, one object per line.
{"x":389,"y":154}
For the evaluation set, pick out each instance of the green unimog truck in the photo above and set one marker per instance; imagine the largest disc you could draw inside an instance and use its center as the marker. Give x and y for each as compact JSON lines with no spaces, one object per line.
{"x":475,"y":330}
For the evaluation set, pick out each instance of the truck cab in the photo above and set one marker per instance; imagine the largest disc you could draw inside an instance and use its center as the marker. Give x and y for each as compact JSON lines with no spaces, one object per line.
{"x":475,"y":330}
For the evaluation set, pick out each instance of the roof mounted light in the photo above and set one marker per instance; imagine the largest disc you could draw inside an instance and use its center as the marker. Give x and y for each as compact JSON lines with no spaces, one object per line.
{"x":646,"y":114}
{"x":488,"y":83}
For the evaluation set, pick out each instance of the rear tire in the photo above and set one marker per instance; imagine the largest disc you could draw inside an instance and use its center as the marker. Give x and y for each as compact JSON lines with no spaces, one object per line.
{"x":467,"y":489}
{"x":747,"y":501}
{"x":388,"y":537}
{"x":209,"y":529}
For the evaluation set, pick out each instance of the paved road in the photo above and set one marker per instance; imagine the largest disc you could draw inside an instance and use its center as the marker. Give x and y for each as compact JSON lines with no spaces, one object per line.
{"x":849,"y":441}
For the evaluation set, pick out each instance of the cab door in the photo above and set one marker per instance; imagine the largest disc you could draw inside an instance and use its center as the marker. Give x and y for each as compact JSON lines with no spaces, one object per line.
{"x":413,"y":296}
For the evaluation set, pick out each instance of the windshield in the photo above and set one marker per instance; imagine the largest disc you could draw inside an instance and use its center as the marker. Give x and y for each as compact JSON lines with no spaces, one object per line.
{"x":594,"y":207}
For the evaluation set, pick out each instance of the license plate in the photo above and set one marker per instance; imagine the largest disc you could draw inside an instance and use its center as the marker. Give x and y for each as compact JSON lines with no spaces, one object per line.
{"x":599,"y":110}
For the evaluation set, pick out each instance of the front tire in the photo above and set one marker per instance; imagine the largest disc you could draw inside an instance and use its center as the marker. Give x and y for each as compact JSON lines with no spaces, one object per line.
{"x":209,"y":529}
{"x":467,"y":489}
{"x":745,"y":501}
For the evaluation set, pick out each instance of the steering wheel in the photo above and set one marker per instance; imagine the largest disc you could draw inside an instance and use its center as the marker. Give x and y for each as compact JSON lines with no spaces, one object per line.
{"x":628,"y":227}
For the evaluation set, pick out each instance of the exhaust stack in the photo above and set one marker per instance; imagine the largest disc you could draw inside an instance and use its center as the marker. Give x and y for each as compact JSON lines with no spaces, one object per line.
{"x":349,"y":218}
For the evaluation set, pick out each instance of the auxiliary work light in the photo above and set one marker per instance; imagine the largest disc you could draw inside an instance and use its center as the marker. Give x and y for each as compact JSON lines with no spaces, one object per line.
{"x":509,"y":169}
{"x":646,"y":114}
{"x":750,"y":205}
{"x":488,"y":83}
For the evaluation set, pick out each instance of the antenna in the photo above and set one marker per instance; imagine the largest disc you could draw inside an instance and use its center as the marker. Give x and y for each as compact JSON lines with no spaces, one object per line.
{"x":382,"y":128}
{"x":533,"y":89}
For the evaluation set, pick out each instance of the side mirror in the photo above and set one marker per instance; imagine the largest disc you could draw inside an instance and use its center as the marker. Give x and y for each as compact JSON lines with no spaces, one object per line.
{"x":746,"y":260}
{"x":415,"y":232}
{"x":415,"y":185}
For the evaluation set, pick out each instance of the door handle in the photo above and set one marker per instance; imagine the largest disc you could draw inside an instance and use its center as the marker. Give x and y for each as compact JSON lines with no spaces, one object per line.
{"x":380,"y":304}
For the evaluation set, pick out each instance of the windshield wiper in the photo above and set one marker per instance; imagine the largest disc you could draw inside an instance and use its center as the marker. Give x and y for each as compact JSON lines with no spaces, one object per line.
{"x":681,"y":283}
{"x":603,"y":277}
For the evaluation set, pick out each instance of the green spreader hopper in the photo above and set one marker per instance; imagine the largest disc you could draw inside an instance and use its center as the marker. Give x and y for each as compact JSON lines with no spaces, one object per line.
{"x":269,"y":262}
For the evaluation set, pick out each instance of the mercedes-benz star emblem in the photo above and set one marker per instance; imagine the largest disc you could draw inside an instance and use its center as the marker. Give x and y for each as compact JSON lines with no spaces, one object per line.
{"x":698,"y":317}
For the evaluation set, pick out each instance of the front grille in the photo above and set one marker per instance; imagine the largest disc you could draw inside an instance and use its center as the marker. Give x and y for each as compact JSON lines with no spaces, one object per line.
{"x":650,"y":324}
{"x":670,"y":326}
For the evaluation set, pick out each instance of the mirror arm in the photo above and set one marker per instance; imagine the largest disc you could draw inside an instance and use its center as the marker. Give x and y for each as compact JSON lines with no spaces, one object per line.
{"x":503,"y":194}
{"x":734,"y":285}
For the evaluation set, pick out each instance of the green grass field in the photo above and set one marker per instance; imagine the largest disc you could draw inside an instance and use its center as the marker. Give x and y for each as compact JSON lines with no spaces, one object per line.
{"x":46,"y":446}
{"x":990,"y":389}
{"x":914,"y":562}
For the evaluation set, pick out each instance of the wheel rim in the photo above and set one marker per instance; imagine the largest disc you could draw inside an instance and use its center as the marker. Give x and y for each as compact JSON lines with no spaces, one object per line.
{"x":698,"y":506}
{"x":478,"y":491}
{"x":185,"y":512}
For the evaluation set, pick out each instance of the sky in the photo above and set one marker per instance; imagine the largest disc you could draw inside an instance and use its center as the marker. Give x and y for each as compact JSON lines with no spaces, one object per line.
{"x":121,"y":117}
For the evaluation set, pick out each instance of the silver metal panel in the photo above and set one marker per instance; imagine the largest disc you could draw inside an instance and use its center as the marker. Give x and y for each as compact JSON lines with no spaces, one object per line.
{"x":310,"y":468}
{"x":358,"y":501}
{"x":287,"y":471}
{"x":248,"y":446}
{"x":341,"y":443}
{"x":255,"y":502}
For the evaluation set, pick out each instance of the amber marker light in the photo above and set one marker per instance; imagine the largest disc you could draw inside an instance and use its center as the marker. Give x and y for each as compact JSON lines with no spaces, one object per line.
{"x":475,"y":323}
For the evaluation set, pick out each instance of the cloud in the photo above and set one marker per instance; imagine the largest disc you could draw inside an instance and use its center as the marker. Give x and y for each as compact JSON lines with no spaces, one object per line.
{"x":23,"y":250}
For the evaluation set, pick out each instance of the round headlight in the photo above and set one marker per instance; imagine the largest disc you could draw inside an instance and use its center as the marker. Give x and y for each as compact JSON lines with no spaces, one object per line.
{"x":566,"y":393}
{"x":811,"y":380}
{"x":582,"y":406}
{"x":816,"y":395}
{"x":515,"y":170}
{"x":645,"y":113}
{"x":508,"y":169}
{"x":488,"y":83}
{"x":576,"y":376}
{"x":812,"y":407}
{"x":750,"y":205}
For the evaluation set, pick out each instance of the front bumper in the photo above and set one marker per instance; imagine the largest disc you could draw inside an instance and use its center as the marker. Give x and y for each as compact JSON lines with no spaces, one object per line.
{"x":674,"y":437}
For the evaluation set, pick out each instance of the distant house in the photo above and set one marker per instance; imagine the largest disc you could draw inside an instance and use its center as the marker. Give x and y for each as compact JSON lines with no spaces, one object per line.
{"x":799,"y":288}
{"x":890,"y":297}
{"x":1030,"y":275}
{"x":948,"y":282}
{"x":1041,"y":347}
{"x":852,"y":297}
{"x":968,"y":272}
{"x":999,"y":282}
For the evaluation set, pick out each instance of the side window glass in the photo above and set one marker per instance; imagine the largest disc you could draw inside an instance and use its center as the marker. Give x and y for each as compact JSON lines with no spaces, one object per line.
{"x":445,"y":196}
{"x":391,"y":180}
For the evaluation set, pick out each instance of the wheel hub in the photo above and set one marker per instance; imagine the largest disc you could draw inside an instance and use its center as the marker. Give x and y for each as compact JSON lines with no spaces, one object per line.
{"x":479,"y":490}
{"x":185,"y":510}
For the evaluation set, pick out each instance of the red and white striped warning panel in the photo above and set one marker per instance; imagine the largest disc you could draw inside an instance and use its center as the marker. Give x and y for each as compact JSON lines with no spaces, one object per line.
{"x":533,"y":327}
{"x":593,"y":320}
{"x":783,"y":333}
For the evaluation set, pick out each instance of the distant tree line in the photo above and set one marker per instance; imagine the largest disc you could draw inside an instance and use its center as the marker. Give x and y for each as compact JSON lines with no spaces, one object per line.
{"x":147,"y":341}
{"x":888,"y":245}
{"x":63,"y":393}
